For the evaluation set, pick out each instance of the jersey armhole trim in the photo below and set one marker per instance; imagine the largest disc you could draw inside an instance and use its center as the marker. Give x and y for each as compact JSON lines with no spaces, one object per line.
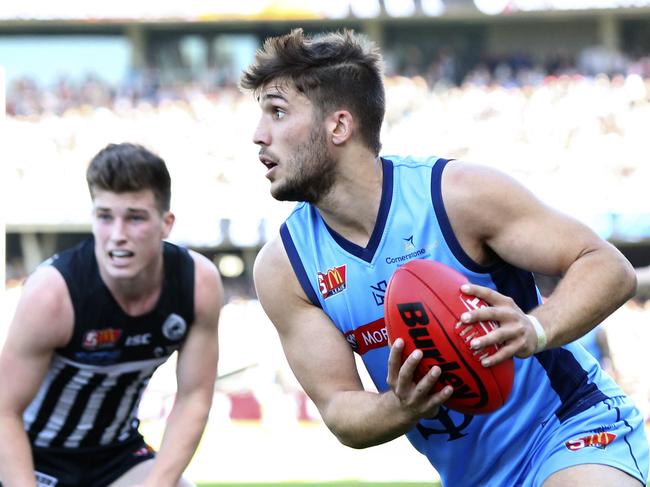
{"x":297,"y":265}
{"x":445,"y":224}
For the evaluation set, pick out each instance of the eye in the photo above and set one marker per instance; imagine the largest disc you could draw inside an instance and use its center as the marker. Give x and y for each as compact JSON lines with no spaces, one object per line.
{"x":278,"y":113}
{"x":104,"y":217}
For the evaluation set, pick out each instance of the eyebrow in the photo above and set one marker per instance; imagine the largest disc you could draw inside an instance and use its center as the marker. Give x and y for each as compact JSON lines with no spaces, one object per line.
{"x":128,"y":210}
{"x":272,"y":96}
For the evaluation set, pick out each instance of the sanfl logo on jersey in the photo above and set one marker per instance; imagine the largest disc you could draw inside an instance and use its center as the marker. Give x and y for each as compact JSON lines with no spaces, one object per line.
{"x":596,"y":440}
{"x":98,"y":339}
{"x":332,"y":282}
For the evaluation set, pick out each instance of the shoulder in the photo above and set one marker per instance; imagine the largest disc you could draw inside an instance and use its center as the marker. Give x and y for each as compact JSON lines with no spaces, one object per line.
{"x":272,"y":252}
{"x":272,"y":262}
{"x":45,"y":302}
{"x":276,"y":283}
{"x":471,"y":180}
{"x":467,"y":174}
{"x":481,"y":195}
{"x":47,"y":286}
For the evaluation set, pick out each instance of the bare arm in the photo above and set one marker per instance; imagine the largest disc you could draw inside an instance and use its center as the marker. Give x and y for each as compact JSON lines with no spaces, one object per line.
{"x":196,"y":373}
{"x":323,"y":363}
{"x":43,"y":321}
{"x":493,"y":215}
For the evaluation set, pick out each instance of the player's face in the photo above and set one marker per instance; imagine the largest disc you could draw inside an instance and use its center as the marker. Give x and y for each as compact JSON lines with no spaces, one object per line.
{"x":293,"y":146}
{"x":128,"y":230}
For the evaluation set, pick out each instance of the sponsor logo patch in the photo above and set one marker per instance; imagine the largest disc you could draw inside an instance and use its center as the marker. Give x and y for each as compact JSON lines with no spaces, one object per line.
{"x":403,"y":259}
{"x":138,"y":340}
{"x":368,"y":337}
{"x":333,"y":281}
{"x":98,"y":339}
{"x":104,"y":357}
{"x":595,"y":440}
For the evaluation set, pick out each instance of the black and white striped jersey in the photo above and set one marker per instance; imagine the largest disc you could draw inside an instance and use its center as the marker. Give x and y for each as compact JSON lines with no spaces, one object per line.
{"x":91,"y":392}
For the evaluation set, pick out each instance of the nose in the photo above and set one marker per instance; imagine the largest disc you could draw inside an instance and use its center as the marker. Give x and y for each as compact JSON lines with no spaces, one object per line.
{"x":118,"y":232}
{"x":261,"y":136}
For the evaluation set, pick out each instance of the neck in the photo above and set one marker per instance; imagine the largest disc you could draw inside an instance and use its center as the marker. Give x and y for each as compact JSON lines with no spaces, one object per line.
{"x":352,"y":206}
{"x":139,"y":294}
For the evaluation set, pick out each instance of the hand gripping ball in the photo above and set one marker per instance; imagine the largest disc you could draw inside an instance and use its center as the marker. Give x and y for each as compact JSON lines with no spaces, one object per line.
{"x":423,"y":305}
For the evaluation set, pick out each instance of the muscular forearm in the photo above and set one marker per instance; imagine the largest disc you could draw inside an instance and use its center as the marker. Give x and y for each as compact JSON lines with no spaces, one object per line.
{"x":16,"y":464}
{"x":594,"y":286}
{"x":361,"y":419}
{"x":183,"y":431}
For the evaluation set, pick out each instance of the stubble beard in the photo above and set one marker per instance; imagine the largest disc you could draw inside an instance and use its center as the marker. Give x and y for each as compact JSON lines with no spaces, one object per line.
{"x":315,"y":171}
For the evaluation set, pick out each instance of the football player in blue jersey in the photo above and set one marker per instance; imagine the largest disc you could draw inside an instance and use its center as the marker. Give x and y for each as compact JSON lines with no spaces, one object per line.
{"x":93,"y":324}
{"x":360,"y":215}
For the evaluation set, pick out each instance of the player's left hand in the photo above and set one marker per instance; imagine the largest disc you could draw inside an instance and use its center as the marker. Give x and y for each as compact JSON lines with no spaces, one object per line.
{"x":515,"y":336}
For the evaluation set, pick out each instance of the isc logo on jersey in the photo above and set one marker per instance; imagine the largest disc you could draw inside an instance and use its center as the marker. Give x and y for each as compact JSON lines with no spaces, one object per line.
{"x":332,"y":282}
{"x":138,"y":340}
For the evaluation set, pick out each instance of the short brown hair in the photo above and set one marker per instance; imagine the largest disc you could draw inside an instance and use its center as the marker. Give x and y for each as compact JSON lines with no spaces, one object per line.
{"x":334,"y":70}
{"x":120,"y":168}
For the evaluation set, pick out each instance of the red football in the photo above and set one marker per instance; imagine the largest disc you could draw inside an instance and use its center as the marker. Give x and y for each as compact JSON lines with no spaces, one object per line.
{"x":423,"y":304}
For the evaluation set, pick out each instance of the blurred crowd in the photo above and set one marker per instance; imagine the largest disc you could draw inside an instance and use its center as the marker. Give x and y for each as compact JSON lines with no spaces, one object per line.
{"x":574,"y":131}
{"x":27,"y":98}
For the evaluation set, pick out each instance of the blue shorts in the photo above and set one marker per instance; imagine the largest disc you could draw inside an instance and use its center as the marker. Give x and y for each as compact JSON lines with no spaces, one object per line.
{"x":610,"y":432}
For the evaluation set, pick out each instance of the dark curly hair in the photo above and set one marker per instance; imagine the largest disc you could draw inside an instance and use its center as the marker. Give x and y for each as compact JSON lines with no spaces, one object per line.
{"x":335,"y":70}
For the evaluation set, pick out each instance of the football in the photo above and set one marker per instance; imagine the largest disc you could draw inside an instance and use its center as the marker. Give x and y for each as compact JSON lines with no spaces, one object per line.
{"x":423,"y":305}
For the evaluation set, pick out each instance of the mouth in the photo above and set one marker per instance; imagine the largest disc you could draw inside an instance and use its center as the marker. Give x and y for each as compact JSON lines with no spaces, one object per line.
{"x":270,"y":164}
{"x":120,"y":254}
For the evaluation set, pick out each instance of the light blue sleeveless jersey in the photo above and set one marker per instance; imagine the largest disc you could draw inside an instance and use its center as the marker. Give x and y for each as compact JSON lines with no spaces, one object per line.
{"x":348,"y":282}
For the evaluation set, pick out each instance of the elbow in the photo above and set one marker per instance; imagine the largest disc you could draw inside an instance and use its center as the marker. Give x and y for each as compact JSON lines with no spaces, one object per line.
{"x":346,"y":433}
{"x":351,"y":440}
{"x":629,"y":281}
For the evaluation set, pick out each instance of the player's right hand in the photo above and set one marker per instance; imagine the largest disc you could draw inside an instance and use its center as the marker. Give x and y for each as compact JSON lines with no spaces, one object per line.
{"x":417,"y":398}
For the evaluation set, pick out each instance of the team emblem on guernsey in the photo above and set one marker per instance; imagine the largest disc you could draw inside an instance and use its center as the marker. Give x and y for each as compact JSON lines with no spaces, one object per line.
{"x":408,"y":244}
{"x":174,"y":327}
{"x":332,"y":282}
{"x":98,"y":339}
{"x":596,"y":440}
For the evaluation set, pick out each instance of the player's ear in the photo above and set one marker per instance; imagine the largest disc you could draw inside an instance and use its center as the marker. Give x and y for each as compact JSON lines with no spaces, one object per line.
{"x":340,"y":126}
{"x":168,"y":223}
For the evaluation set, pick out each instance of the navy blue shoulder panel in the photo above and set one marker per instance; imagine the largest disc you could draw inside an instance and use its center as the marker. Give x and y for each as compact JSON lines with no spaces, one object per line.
{"x":297,"y":265}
